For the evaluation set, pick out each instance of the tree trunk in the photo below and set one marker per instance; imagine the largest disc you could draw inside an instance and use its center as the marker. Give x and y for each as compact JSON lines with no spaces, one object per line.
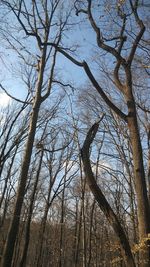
{"x":27,"y":233}
{"x":61,"y":242}
{"x":140,"y":183}
{"x":100,"y":198}
{"x":14,"y":227}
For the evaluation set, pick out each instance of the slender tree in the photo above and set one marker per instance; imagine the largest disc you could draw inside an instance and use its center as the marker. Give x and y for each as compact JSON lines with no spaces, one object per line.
{"x":36,"y":21}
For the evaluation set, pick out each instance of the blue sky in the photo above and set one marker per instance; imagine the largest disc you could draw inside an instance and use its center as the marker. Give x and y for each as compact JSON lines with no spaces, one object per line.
{"x":10,"y":62}
{"x":81,"y":35}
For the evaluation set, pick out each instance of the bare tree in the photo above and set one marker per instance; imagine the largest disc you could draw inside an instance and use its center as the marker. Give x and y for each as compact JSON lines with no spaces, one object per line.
{"x":122,"y":48}
{"x":39,"y":22}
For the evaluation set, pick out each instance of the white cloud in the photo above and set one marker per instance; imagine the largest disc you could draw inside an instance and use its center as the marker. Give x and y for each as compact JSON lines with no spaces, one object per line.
{"x":4,"y":100}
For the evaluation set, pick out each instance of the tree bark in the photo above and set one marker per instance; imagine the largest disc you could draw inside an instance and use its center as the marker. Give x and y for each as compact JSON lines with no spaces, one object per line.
{"x":139,"y":176}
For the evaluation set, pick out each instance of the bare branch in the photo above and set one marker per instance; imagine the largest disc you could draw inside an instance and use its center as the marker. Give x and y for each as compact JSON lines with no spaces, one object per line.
{"x":102,"y":93}
{"x":139,"y":35}
{"x":17,"y":99}
{"x":100,"y":40}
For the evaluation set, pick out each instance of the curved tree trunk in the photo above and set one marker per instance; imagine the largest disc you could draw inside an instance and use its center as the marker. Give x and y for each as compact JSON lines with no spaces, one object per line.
{"x":100,"y":198}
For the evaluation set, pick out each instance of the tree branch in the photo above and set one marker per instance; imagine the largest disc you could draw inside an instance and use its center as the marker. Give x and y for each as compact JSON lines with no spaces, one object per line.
{"x":102,"y":93}
{"x":16,"y":99}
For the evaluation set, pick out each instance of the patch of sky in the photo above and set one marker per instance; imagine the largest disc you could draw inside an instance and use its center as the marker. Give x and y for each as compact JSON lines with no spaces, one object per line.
{"x":5,"y":100}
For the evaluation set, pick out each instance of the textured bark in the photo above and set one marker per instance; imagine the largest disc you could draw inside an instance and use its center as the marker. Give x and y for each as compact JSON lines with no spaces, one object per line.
{"x":141,"y":194}
{"x":139,"y":175}
{"x":148,"y":142}
{"x":102,"y":202}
